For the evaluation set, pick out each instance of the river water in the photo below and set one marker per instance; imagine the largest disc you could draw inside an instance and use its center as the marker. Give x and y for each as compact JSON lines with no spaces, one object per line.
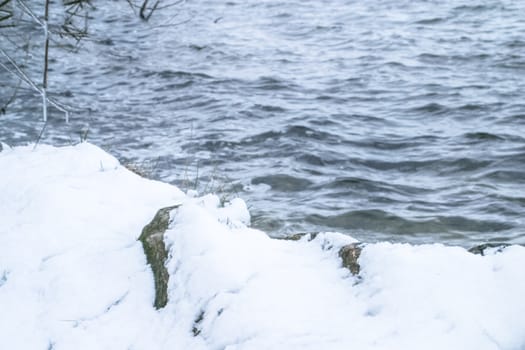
{"x":386,"y":120}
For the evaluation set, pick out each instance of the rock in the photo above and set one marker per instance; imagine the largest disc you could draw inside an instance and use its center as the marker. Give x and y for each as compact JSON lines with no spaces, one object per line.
{"x":298,"y":236}
{"x":196,"y":329}
{"x":3,"y":278}
{"x":140,"y":170}
{"x":152,"y":238}
{"x":480,"y":249}
{"x":4,"y":146}
{"x":350,"y":254}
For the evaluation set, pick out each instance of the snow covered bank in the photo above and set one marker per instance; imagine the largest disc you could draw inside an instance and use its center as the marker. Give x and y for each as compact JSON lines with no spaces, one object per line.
{"x":74,"y":276}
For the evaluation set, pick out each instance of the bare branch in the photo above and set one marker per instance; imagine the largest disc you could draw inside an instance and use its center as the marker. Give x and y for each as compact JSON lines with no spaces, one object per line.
{"x":144,"y":7}
{"x":17,"y":87}
{"x":73,"y":27}
{"x":30,"y":12}
{"x":5,"y":14}
{"x":22,"y":75}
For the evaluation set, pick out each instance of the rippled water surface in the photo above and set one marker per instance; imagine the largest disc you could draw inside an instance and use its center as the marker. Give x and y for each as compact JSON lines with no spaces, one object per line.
{"x":386,"y":120}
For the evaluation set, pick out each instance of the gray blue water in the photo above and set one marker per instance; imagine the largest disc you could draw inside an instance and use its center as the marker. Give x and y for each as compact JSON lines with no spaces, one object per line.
{"x":386,"y":120}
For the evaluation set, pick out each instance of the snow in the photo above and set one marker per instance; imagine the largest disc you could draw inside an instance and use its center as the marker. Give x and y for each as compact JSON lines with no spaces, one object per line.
{"x":74,"y":276}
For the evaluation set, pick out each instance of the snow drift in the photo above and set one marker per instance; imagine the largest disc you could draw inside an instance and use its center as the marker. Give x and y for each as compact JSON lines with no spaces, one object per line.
{"x":74,"y":276}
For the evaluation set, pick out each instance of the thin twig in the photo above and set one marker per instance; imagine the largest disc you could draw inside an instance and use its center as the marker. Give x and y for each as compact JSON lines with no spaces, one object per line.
{"x":40,"y":135}
{"x":17,"y":87}
{"x":30,"y":12}
{"x":166,"y":24}
{"x":196,"y":184}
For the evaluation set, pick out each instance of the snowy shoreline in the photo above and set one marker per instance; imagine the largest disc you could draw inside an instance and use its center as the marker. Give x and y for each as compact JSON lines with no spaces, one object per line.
{"x":73,"y":274}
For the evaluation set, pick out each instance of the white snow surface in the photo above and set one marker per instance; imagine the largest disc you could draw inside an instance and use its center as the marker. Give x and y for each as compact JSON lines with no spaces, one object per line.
{"x":74,"y":276}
